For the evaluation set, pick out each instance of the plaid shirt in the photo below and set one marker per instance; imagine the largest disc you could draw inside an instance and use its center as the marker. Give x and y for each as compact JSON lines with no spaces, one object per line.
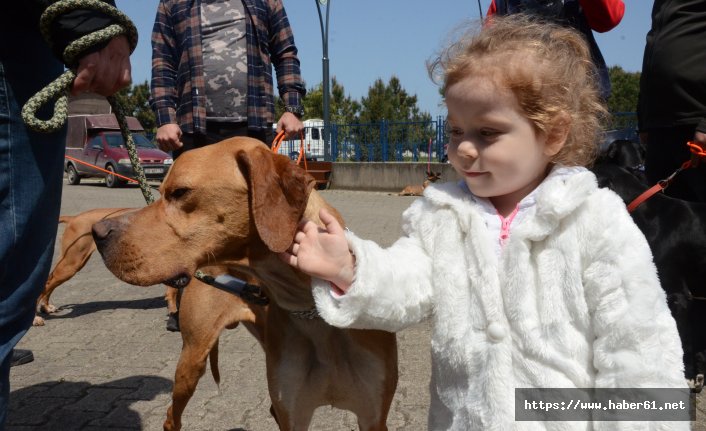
{"x":178,"y":86}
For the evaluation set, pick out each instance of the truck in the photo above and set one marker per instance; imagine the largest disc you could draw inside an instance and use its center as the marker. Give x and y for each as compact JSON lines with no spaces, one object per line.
{"x":313,"y":141}
{"x":94,"y":141}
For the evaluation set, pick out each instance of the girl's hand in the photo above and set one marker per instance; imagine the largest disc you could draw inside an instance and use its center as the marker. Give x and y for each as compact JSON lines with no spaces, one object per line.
{"x":322,"y":252}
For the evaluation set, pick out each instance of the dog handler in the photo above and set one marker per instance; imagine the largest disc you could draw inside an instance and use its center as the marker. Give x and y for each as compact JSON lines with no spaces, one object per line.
{"x":532,"y":276}
{"x":31,"y":167}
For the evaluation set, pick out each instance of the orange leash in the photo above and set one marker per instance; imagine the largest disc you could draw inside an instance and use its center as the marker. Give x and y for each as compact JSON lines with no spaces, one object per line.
{"x":697,"y":154}
{"x":102,"y":170}
{"x":278,"y":142}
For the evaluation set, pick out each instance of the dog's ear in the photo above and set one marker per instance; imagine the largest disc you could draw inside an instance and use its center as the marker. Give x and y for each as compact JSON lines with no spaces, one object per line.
{"x":612,"y":151}
{"x":278,"y":191}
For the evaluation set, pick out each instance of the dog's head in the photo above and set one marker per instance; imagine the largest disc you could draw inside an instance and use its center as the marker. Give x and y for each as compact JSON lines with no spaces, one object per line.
{"x":627,"y":154}
{"x":219,"y":203}
{"x":432,"y":177}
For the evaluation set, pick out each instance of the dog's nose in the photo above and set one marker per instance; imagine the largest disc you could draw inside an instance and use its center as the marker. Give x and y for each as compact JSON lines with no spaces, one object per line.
{"x":101,"y":231}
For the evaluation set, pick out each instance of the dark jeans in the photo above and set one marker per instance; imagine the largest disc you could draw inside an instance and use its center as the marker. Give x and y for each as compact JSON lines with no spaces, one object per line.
{"x":216,"y":132}
{"x":31,"y":170}
{"x":666,"y":151}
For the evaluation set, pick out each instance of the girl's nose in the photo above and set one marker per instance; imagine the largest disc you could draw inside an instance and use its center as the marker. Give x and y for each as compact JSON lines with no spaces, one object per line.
{"x":467,"y":149}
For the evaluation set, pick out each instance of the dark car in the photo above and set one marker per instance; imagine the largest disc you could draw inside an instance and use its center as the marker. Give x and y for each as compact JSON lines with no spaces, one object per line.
{"x":96,"y":143}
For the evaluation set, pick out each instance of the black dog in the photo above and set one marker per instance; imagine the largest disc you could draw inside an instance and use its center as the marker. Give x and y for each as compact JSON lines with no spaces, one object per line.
{"x":676,"y":232}
{"x":627,"y":154}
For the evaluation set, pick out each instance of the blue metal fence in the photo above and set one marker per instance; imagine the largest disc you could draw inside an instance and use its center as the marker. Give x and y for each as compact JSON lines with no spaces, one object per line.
{"x":384,"y":141}
{"x":420,"y":141}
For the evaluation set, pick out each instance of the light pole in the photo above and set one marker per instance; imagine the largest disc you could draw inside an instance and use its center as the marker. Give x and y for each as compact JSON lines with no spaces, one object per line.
{"x":324,"y":62}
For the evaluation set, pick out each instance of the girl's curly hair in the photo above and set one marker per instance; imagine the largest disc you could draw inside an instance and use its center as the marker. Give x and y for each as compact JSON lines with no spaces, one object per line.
{"x":546,"y":66}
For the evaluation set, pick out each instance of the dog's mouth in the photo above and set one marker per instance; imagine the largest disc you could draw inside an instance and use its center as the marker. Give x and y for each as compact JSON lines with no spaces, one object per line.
{"x":179,"y":281}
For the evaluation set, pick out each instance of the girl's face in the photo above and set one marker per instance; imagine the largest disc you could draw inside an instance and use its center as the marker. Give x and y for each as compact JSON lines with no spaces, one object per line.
{"x":493,"y":146}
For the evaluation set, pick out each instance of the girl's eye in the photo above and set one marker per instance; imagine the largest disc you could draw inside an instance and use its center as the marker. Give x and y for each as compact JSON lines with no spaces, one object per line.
{"x":488,"y":133}
{"x":454,"y":131}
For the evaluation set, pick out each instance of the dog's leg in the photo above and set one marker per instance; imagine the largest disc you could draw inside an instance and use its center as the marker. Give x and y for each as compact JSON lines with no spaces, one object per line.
{"x":191,"y":366}
{"x":372,"y":413}
{"x":76,"y":250}
{"x":171,"y":296}
{"x":204,"y":312}
{"x":295,"y":389}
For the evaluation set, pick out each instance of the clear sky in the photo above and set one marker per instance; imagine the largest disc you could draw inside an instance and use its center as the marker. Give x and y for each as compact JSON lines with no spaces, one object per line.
{"x":370,"y":39}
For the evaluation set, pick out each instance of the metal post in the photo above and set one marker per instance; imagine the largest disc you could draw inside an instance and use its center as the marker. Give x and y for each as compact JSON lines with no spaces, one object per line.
{"x":326,"y":91}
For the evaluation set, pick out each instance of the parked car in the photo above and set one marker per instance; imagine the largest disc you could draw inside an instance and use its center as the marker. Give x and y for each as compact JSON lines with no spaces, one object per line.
{"x":95,"y":141}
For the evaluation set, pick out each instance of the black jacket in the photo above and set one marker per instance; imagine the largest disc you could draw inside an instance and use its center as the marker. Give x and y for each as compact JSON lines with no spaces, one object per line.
{"x":673,"y":81}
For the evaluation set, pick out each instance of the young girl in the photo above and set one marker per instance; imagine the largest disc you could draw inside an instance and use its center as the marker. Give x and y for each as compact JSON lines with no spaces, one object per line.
{"x":533,"y":277}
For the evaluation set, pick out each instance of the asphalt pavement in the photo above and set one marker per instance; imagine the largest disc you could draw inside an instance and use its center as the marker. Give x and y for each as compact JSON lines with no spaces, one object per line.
{"x":106,"y":362}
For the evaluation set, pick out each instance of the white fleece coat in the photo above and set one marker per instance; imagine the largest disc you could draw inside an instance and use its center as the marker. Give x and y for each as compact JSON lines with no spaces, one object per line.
{"x":573,"y":302}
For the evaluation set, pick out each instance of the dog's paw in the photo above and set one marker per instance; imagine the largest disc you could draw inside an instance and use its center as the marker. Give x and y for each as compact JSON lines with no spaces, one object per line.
{"x":38,"y":321}
{"x":45,"y":307}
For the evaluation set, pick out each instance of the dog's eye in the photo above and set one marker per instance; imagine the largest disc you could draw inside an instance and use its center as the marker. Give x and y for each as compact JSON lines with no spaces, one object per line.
{"x":178,"y":193}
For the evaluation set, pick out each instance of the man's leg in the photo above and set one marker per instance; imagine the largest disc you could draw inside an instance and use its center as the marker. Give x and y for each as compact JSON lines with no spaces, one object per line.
{"x":31,"y":170}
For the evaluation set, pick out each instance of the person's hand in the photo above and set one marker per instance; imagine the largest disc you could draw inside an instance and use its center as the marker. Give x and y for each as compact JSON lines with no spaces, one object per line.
{"x":106,"y":71}
{"x":291,"y":125}
{"x":322,"y":252}
{"x":700,"y":138}
{"x":169,"y":137}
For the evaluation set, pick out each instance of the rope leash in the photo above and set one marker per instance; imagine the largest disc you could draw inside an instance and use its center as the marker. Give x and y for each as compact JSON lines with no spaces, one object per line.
{"x":58,"y":89}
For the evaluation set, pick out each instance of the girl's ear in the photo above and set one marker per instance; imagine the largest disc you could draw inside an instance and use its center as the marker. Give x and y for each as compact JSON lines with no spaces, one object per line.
{"x":557,"y":134}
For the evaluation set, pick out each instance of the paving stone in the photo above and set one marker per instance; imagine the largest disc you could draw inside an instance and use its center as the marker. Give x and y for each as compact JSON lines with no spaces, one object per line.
{"x":105,"y":362}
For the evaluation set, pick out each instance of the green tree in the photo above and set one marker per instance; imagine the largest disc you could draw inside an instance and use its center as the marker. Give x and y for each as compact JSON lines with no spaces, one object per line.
{"x":390,"y":102}
{"x":624,"y":93}
{"x":404,"y":131}
{"x":135,"y":100}
{"x":343,"y":109}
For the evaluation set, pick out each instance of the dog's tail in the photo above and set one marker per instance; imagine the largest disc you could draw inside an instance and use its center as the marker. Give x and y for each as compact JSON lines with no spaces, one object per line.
{"x":65,"y":219}
{"x":213,"y":360}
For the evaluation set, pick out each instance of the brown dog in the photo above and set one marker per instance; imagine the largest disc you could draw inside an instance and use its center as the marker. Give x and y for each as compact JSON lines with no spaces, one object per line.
{"x":205,"y":310}
{"x":237,"y":204}
{"x":77,"y":245}
{"x":418,"y":190}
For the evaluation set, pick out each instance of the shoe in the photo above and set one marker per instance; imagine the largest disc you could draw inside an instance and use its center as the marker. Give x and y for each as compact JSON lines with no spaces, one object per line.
{"x":20,"y":357}
{"x":173,"y":322}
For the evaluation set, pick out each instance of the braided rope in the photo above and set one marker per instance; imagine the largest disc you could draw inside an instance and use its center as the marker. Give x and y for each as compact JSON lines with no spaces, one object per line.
{"x":131,"y":149}
{"x":59,"y":88}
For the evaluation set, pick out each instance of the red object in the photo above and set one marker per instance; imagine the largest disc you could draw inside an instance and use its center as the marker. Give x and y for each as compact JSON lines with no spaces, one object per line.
{"x":602,"y":15}
{"x":698,"y":152}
